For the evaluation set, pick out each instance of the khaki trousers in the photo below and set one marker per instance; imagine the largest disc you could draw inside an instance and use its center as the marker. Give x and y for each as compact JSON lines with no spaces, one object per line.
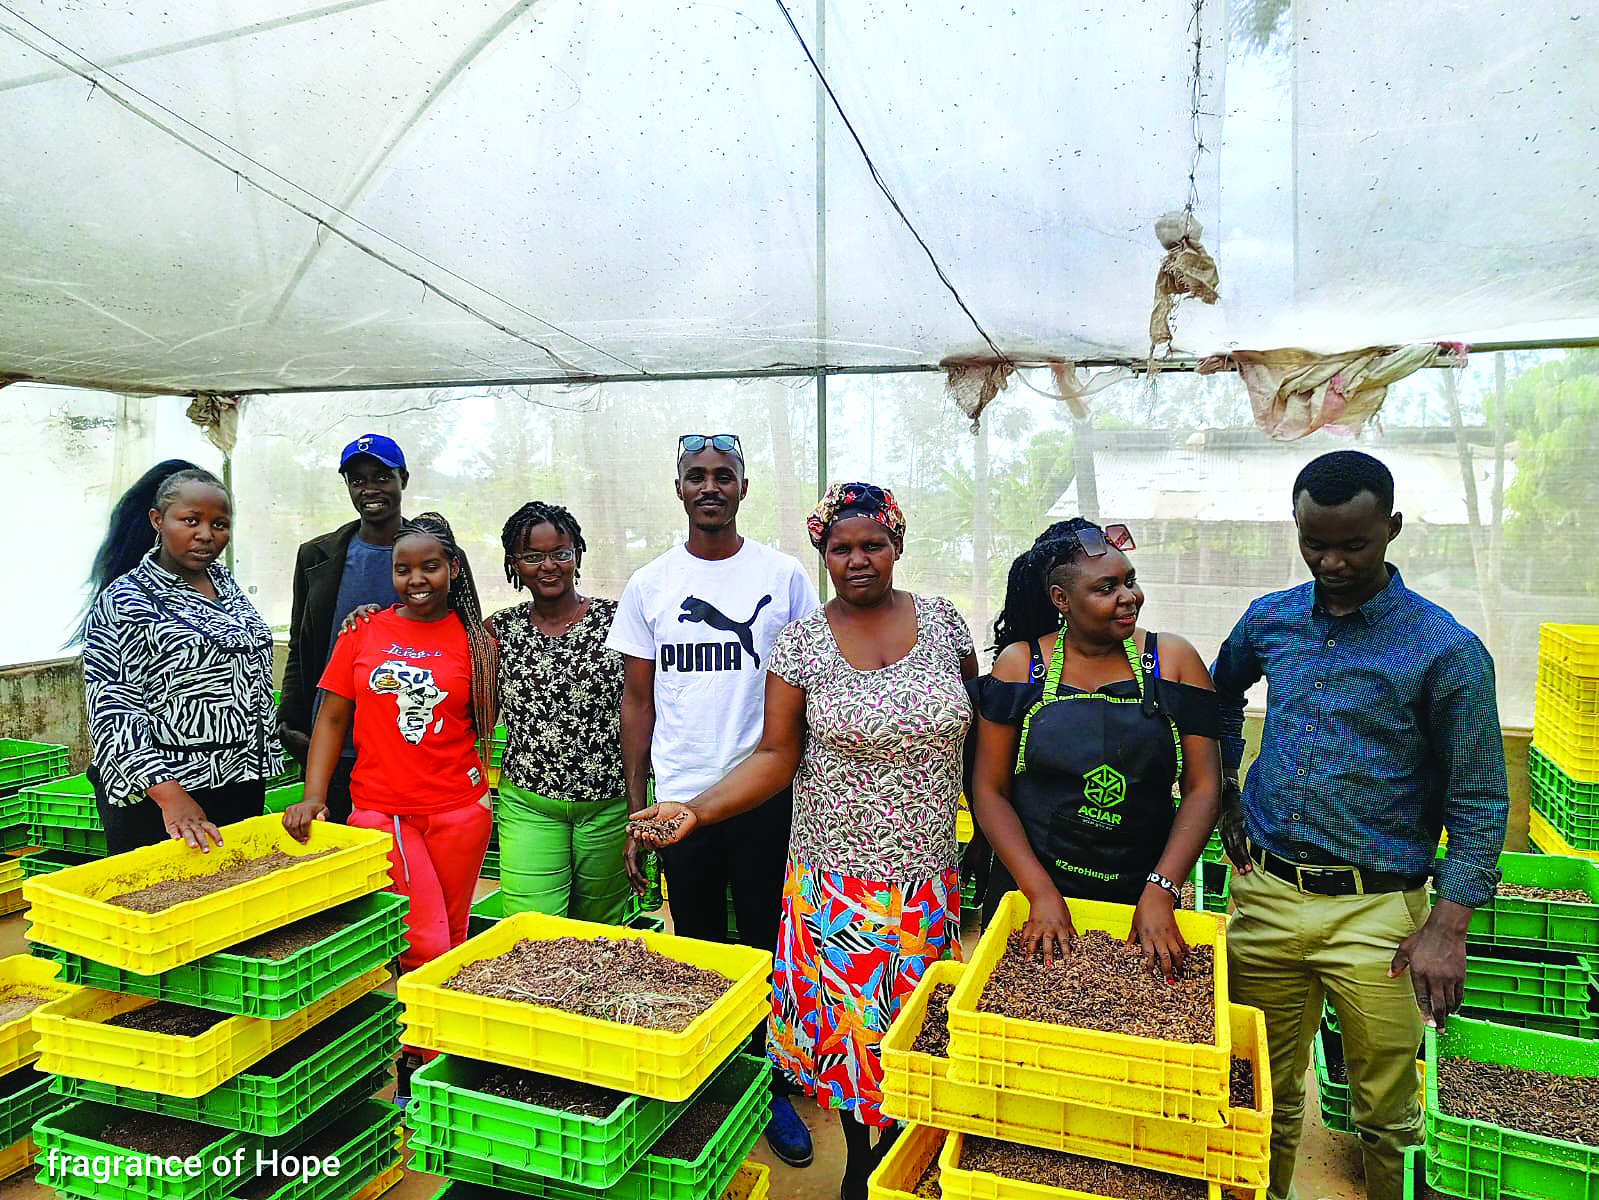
{"x":1286,"y":951}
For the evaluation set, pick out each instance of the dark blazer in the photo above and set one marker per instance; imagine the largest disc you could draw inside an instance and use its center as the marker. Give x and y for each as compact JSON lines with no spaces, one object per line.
{"x":318,"y":571}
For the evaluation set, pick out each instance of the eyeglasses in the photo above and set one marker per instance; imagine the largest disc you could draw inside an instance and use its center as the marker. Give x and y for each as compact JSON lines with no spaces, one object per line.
{"x":535,"y":558}
{"x":725,"y":443}
{"x":1095,"y":543}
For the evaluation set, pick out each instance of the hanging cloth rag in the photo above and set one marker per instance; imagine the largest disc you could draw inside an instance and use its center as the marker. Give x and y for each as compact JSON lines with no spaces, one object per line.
{"x":1296,"y":392}
{"x":218,"y":415}
{"x":1187,"y":270}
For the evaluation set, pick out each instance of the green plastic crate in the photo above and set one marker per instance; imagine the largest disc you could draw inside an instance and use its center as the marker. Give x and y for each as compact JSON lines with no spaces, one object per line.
{"x":1217,"y":889}
{"x":280,"y":797}
{"x":366,"y":1142}
{"x":69,"y":839}
{"x":260,"y":987}
{"x":491,"y":864}
{"x":745,"y":1083}
{"x":44,"y":862}
{"x":647,"y":922}
{"x":1580,"y":1027}
{"x":1562,"y":925}
{"x":486,"y":909}
{"x":66,"y":801}
{"x":448,"y":1112}
{"x":23,"y":763}
{"x":1334,"y":1097}
{"x":1536,"y":982}
{"x":14,"y":837}
{"x":1571,"y":805}
{"x":74,"y":1131}
{"x":1477,"y":1159}
{"x":1214,"y":851}
{"x":270,"y":1106}
{"x":25,"y":1096}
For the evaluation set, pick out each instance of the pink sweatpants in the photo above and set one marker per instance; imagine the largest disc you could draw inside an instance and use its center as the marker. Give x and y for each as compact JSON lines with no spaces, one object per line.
{"x":434,"y":861}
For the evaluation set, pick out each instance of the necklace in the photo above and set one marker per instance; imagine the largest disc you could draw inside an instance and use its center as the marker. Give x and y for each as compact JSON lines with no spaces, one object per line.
{"x":582,"y":607}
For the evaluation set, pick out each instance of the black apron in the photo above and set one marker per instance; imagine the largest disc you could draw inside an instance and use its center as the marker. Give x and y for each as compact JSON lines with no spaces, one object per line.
{"x":1093,"y":783}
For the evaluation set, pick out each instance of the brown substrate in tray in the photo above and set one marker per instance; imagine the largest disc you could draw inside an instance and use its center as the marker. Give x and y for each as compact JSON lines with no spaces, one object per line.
{"x":1052,"y":1168}
{"x":613,"y":979}
{"x":180,"y":1020}
{"x":547,"y":1091}
{"x":1104,"y":985}
{"x":291,"y":939}
{"x":1527,"y":892}
{"x":152,"y":1133}
{"x":294,"y":1052}
{"x":159,"y":897}
{"x":19,"y":1004}
{"x":927,"y":1185}
{"x":1552,"y":1106}
{"x":692,"y":1131}
{"x":1241,"y":1084}
{"x":934,"y":1036}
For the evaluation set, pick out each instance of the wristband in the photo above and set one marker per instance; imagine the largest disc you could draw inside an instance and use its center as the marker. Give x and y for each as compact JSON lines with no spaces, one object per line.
{"x":1159,"y":880}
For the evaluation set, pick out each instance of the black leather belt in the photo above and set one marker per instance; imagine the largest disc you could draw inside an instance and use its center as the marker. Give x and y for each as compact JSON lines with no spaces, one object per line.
{"x":1320,"y":880}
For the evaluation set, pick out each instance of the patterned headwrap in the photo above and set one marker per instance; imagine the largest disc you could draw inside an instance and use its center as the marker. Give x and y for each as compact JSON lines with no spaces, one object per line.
{"x":855,"y":500}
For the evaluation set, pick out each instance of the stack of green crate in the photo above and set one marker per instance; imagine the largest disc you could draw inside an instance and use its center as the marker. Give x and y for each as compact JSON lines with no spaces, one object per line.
{"x":23,"y":765}
{"x":1563,"y":762}
{"x":64,"y":823}
{"x":290,"y":1073}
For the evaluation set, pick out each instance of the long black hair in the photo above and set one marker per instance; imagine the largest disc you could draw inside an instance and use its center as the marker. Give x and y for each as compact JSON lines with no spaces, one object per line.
{"x":536,"y":512}
{"x":1028,"y":613}
{"x":464,"y":603}
{"x":128,"y":536}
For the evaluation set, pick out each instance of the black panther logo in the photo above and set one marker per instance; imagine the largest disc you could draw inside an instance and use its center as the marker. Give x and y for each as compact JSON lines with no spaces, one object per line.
{"x":695,"y":609}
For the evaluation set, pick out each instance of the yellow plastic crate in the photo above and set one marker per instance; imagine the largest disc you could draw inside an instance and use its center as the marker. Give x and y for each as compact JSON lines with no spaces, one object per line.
{"x":17,"y":1156}
{"x":1574,"y":648}
{"x":959,"y":1184}
{"x":904,"y":1163}
{"x":1547,"y":838}
{"x":12,"y":901}
{"x":647,"y":1062}
{"x":10,"y":874}
{"x":19,"y":1039}
{"x":1174,"y":1080}
{"x":75,"y":1041}
{"x":964,"y":828}
{"x":917,"y":1087}
{"x":381,"y":1184}
{"x":71,"y":912}
{"x":752,"y":1181}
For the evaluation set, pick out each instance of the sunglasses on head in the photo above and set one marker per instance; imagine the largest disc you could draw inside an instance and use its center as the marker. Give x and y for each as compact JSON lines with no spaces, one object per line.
{"x":1095,"y":543}
{"x":723,"y":443}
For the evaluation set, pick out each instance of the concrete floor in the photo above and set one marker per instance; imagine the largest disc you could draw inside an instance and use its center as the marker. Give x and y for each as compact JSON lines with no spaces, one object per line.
{"x":1329,"y":1163}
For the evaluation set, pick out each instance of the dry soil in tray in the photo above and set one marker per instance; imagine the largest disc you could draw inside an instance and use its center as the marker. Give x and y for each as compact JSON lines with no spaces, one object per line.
{"x":687,"y":1136}
{"x":1241,"y":1093}
{"x":1527,"y":892}
{"x":159,"y":897}
{"x":292,"y":938}
{"x":152,"y":1133}
{"x":934,"y":1035}
{"x":294,"y":1052}
{"x":547,"y":1091}
{"x":19,"y":1004}
{"x":181,"y":1020}
{"x":1052,"y":1168}
{"x":1103,"y":984}
{"x":928,"y":1185}
{"x":1553,"y":1106}
{"x":614,"y":979}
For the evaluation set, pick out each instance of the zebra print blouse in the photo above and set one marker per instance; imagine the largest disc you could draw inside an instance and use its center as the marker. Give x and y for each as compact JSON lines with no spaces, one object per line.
{"x":178,"y":686}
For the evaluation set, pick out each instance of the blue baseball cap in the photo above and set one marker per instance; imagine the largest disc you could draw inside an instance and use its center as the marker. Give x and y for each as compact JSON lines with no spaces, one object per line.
{"x":386,"y":450}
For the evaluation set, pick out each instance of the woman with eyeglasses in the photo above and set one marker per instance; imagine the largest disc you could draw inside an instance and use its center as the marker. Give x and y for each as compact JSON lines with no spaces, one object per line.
{"x":1086,"y":724}
{"x":562,"y":807}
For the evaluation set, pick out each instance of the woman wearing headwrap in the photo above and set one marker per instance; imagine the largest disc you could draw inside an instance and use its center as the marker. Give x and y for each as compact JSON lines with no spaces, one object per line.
{"x":866,"y":711}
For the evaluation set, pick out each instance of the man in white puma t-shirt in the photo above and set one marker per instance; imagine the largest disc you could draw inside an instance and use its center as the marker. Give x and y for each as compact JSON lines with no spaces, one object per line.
{"x":696,"y":626}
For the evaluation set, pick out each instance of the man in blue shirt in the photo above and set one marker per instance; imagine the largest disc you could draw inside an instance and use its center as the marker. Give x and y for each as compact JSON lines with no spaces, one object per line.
{"x":1381,"y":729}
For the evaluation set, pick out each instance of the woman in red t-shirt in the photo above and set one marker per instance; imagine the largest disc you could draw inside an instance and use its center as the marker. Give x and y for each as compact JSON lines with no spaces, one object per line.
{"x":417,"y":683}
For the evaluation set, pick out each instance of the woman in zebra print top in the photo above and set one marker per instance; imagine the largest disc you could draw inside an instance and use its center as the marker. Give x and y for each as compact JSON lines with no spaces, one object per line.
{"x":177,"y":676}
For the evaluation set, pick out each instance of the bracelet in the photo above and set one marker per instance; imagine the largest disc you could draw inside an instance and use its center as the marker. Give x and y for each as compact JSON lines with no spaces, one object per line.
{"x":1160,"y":880}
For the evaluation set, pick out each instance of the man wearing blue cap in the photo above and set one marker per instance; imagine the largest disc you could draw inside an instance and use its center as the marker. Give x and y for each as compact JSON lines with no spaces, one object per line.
{"x":334,"y":574}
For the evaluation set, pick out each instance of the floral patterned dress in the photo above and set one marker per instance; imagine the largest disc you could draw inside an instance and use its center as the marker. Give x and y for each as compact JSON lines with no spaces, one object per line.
{"x":872,"y":894}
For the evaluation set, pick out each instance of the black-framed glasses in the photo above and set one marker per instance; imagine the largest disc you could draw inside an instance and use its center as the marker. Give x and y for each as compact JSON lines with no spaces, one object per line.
{"x":722,"y":443}
{"x":535,"y":558}
{"x":1095,"y":543}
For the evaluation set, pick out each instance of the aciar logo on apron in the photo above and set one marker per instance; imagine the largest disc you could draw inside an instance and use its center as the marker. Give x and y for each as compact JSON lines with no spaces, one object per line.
{"x":1103,"y":789}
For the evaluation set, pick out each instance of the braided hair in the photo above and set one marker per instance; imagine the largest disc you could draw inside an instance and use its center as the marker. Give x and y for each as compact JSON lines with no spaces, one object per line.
{"x":536,"y":512}
{"x":481,"y":648}
{"x":1028,"y":613}
{"x":128,"y":536}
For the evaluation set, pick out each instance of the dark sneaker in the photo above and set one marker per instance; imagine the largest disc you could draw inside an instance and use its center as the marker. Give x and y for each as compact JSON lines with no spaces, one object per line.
{"x":404,"y":1067}
{"x":786,"y":1134}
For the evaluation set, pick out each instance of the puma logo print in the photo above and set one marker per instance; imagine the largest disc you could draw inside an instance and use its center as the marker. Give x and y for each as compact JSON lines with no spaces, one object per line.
{"x":704,"y":612}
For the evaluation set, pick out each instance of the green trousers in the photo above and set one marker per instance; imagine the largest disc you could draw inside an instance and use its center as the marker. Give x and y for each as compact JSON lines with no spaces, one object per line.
{"x":1288,"y":951}
{"x":562,"y":858}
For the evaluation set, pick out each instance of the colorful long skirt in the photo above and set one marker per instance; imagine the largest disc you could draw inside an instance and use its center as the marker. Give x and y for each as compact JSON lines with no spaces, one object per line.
{"x":848,"y":954}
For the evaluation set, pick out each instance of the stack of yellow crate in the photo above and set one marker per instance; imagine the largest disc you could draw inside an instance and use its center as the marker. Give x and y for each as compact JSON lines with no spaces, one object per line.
{"x":1563,"y":762}
{"x":210,"y":1123}
{"x":1137,"y":1101}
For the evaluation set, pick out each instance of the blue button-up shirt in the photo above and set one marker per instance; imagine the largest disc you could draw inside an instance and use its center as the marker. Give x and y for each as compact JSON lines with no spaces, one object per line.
{"x":1381,"y":728}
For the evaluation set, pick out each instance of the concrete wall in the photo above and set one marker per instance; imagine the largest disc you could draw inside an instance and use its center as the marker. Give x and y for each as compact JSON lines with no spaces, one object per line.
{"x":43,"y":702}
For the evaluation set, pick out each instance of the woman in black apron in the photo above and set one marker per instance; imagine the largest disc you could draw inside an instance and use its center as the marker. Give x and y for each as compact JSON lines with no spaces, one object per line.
{"x":1087,"y":723}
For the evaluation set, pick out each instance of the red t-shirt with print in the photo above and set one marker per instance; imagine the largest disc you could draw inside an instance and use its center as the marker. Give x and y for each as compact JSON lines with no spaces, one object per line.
{"x":415,"y":749}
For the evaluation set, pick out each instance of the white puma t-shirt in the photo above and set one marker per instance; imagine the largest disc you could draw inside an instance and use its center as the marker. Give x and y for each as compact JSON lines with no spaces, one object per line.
{"x":709,"y":627}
